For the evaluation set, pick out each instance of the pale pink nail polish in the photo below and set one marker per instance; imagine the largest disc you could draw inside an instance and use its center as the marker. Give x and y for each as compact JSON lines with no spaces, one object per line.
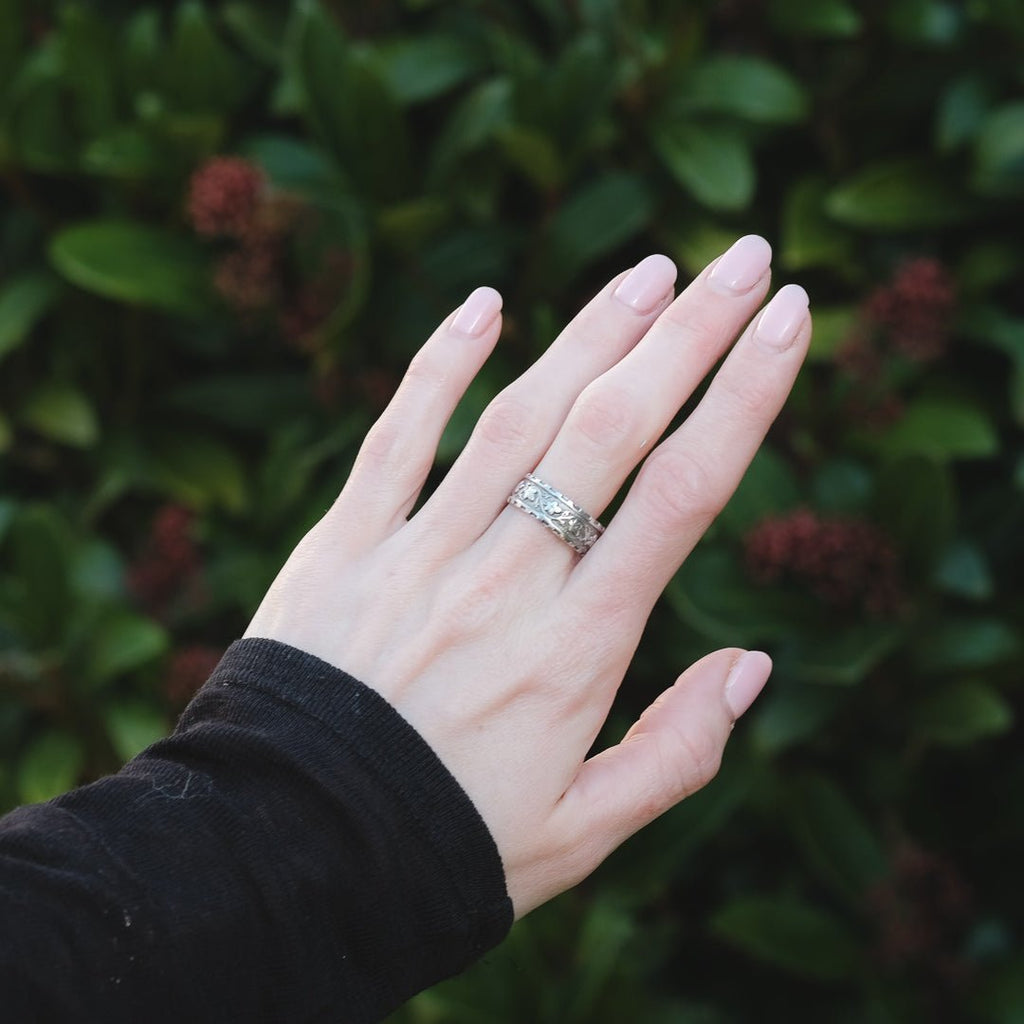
{"x":741,"y":266}
{"x":477,"y":313}
{"x":746,"y":681}
{"x":782,"y":318}
{"x":643,"y":288}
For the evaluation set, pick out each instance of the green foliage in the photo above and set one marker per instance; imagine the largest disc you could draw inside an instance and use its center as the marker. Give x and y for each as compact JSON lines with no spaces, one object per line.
{"x":180,"y":398}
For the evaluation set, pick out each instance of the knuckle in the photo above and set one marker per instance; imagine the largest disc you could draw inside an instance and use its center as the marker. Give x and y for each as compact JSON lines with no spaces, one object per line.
{"x":426,"y":372}
{"x":751,"y":395}
{"x":382,"y":444}
{"x":506,"y":423}
{"x":681,"y":488}
{"x":475,"y":604}
{"x":703,"y":759}
{"x":387,"y":447}
{"x":606,"y":415}
{"x":692,"y":329}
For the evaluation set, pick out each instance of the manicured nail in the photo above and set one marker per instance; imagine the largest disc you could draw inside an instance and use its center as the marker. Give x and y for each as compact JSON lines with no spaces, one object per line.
{"x":643,"y":288}
{"x":782,"y":317}
{"x":477,"y":313}
{"x":741,"y":267}
{"x":746,"y":681}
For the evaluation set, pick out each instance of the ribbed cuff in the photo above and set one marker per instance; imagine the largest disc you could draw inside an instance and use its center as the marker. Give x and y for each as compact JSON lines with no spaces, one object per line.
{"x":401,"y":761}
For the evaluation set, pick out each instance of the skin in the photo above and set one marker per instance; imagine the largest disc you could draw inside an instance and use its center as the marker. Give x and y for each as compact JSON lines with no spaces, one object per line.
{"x":497,"y":642}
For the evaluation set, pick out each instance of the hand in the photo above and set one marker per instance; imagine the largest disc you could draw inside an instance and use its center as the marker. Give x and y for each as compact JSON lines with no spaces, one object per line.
{"x":488,"y":633}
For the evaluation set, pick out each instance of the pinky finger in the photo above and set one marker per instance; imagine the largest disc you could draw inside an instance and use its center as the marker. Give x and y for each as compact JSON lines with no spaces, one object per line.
{"x":397,"y":454}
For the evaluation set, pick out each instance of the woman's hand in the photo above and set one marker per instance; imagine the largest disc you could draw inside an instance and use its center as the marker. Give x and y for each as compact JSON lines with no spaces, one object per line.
{"x":487,"y":632}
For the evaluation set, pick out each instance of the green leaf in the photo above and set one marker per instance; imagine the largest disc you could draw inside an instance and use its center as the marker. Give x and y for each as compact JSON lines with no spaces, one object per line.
{"x":829,"y":19}
{"x":258,"y":30}
{"x":476,"y":120}
{"x":423,"y":67}
{"x":834,"y":837}
{"x":133,"y":726}
{"x":696,"y":242}
{"x":942,"y":429}
{"x":961,"y":112}
{"x":143,"y":55}
{"x":601,"y":216}
{"x":577,"y":92}
{"x":712,"y":162}
{"x":40,"y":134}
{"x":62,"y":413}
{"x":833,"y":327}
{"x":925,"y":22}
{"x":134,"y":263}
{"x":24,"y":300}
{"x":714,"y":596}
{"x":200,"y":470}
{"x":964,"y":572}
{"x":898,"y":195}
{"x":840,"y":657}
{"x":40,"y":551}
{"x":745,"y":87}
{"x":955,"y":645}
{"x":87,"y":56}
{"x":291,"y":163}
{"x":535,"y":154}
{"x":244,"y":401}
{"x":999,"y":152}
{"x":915,"y":503}
{"x":121,"y":643}
{"x":987,"y":264}
{"x":126,"y":152}
{"x":202,"y":74}
{"x":842,"y":487}
{"x":350,"y":106}
{"x":962,"y":713}
{"x":12,"y":39}
{"x":787,"y":714}
{"x":789,"y":934}
{"x":809,"y":237}
{"x":49,"y":767}
{"x":97,"y":572}
{"x":768,"y":487}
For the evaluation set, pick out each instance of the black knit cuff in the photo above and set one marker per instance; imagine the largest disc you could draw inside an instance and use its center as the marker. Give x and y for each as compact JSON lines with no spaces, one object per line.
{"x":437,"y":809}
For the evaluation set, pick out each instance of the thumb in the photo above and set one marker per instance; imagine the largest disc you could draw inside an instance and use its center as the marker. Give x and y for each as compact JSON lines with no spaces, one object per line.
{"x":673,"y":750}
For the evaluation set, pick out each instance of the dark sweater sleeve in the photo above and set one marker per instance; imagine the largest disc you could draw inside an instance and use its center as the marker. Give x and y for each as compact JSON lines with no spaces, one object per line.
{"x":293,"y":852}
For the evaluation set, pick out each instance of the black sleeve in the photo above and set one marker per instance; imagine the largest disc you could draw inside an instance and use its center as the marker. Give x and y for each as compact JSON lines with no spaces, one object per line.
{"x":293,"y":852}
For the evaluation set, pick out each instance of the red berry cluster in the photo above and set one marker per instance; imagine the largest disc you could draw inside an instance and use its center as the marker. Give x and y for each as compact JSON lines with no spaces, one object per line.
{"x":911,"y":316}
{"x":921,"y":911}
{"x":844,"y":562}
{"x":915,"y":310}
{"x":258,"y":275}
{"x":224,"y":195}
{"x":169,"y":564}
{"x":189,"y":668}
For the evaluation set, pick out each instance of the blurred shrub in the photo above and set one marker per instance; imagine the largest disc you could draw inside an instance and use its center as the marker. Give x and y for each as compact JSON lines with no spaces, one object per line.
{"x":227,"y":228}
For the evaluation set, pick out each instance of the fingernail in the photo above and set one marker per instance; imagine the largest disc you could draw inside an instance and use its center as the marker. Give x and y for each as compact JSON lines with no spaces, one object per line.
{"x":782,"y":317}
{"x":477,"y":313}
{"x":746,"y":681}
{"x":742,"y":266}
{"x":643,"y":288}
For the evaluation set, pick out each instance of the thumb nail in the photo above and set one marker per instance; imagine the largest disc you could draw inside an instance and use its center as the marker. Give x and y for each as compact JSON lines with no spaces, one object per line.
{"x":746,"y":681}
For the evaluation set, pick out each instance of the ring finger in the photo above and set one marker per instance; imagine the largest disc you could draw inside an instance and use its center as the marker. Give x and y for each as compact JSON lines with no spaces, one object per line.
{"x":619,"y":415}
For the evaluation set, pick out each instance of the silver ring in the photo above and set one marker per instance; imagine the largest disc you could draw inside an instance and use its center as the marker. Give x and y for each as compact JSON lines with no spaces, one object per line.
{"x":559,"y":513}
